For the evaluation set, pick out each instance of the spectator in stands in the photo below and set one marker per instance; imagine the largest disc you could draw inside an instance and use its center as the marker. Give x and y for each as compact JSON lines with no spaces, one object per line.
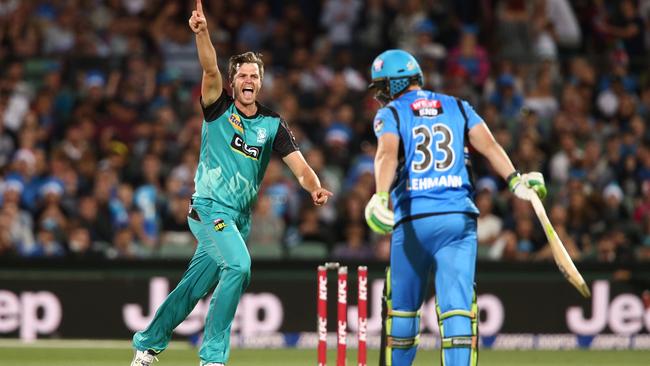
{"x":489,"y":225}
{"x":95,"y":97}
{"x":506,"y":97}
{"x":339,"y":18}
{"x":269,"y":228}
{"x":558,"y":216}
{"x":513,"y":38}
{"x":541,"y":98}
{"x":354,"y":246}
{"x":470,"y":56}
{"x":629,"y":28}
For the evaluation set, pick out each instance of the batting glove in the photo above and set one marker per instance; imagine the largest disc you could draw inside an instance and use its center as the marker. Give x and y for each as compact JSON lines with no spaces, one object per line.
{"x":378,"y":216}
{"x":525,"y":185}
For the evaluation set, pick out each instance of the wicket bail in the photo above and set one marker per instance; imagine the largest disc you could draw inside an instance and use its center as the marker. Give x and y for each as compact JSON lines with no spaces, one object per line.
{"x":342,"y":313}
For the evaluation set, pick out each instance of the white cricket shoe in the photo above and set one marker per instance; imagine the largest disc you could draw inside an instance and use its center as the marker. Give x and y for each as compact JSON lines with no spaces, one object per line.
{"x":143,"y":358}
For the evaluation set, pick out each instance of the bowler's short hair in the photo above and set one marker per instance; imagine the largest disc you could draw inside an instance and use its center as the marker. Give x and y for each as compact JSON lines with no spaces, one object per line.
{"x":245,"y":58}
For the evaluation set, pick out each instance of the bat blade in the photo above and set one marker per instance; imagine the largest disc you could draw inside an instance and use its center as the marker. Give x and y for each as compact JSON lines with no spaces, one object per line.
{"x":562,"y":258}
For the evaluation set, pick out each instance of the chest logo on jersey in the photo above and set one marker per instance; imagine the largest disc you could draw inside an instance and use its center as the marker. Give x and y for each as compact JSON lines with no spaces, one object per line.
{"x":237,"y":143}
{"x":261,"y":135}
{"x":236,"y":123}
{"x":426,"y":108}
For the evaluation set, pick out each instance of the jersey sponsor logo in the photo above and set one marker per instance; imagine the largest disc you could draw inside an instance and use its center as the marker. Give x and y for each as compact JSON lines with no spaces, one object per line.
{"x":237,"y":143}
{"x":236,"y":123}
{"x":261,"y":135}
{"x":426,"y":108}
{"x":378,"y":125}
{"x":219,"y":225}
{"x":443,"y":181}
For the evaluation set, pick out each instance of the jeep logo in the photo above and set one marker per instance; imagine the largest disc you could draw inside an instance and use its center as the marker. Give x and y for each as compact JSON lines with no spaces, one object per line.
{"x":240,"y":146}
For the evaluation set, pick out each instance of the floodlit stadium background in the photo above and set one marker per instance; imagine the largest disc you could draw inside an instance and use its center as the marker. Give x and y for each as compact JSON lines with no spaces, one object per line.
{"x":100,"y":130}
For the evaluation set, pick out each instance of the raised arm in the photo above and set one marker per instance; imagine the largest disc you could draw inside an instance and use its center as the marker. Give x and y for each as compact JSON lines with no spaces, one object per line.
{"x":211,"y":84}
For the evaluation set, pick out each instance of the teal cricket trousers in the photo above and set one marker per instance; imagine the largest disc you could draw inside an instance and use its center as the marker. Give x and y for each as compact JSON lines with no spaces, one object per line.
{"x":222,"y":260}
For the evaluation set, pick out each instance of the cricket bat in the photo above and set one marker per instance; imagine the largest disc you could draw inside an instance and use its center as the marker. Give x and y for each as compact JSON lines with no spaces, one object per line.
{"x":560,"y":254}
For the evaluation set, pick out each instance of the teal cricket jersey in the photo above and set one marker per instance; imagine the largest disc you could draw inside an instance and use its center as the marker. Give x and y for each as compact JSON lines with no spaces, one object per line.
{"x":235,"y":151}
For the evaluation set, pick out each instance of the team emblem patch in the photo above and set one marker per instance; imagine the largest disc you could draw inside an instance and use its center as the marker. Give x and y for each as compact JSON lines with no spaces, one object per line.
{"x":236,"y":123}
{"x":219,"y":225}
{"x":378,"y":125}
{"x":426,"y":108}
{"x":410,"y":66}
{"x":378,"y":64}
{"x":261,"y":135}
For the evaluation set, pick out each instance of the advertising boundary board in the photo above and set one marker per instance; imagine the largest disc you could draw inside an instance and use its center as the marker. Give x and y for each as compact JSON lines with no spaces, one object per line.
{"x":535,"y":309}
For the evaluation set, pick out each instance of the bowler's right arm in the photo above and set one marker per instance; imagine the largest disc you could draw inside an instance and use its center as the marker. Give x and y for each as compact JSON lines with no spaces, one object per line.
{"x":211,"y":84}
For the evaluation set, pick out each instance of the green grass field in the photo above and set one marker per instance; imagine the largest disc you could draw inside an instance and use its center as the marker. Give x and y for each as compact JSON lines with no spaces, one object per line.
{"x":89,"y":353}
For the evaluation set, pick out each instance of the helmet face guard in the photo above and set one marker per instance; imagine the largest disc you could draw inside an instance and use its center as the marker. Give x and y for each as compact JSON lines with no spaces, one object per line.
{"x":387,"y":89}
{"x":381,"y":87}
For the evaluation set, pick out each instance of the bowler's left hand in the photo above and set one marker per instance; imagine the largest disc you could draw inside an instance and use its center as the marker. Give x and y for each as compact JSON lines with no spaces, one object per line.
{"x":320,"y":196}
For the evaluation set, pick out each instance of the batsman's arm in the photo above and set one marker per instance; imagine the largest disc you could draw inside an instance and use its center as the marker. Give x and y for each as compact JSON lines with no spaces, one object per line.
{"x":307,"y":177}
{"x":483,"y":141}
{"x":386,"y":161}
{"x":211,"y":83}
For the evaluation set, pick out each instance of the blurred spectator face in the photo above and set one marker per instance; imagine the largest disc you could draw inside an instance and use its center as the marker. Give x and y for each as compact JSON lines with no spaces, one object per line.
{"x":592,"y":152}
{"x":25,"y":162}
{"x":79,"y":240}
{"x":46,"y":238}
{"x":88,"y":208}
{"x":484,"y":202}
{"x":12,"y":191}
{"x":637,"y":126}
{"x":354,"y":235}
{"x":136,"y":220}
{"x":382,"y":248}
{"x":51,"y":193}
{"x":123,"y":241}
{"x":627,"y":106}
{"x":354,"y":206}
{"x":468,"y":44}
{"x":606,"y":249}
{"x":558,"y":215}
{"x":289,"y":107}
{"x":577,"y":201}
{"x":273,"y":172}
{"x":628,"y":9}
{"x":247,"y":83}
{"x":151,"y":168}
{"x":125,"y":194}
{"x":568,"y":143}
{"x":264,"y":205}
{"x":524,"y":227}
{"x":315,"y":159}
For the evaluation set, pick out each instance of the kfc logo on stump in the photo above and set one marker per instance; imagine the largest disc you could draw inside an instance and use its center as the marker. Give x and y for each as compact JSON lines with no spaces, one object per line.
{"x":426,"y":108}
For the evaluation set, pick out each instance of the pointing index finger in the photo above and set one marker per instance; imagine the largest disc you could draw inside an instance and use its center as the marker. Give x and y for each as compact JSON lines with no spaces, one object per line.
{"x":199,"y":7}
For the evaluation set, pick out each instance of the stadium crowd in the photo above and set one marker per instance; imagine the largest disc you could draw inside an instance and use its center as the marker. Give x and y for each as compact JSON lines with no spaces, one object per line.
{"x":100,"y":121}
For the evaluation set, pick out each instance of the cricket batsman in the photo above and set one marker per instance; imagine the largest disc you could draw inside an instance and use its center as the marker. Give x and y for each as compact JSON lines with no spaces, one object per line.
{"x":422,"y":160}
{"x":237,"y":139}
